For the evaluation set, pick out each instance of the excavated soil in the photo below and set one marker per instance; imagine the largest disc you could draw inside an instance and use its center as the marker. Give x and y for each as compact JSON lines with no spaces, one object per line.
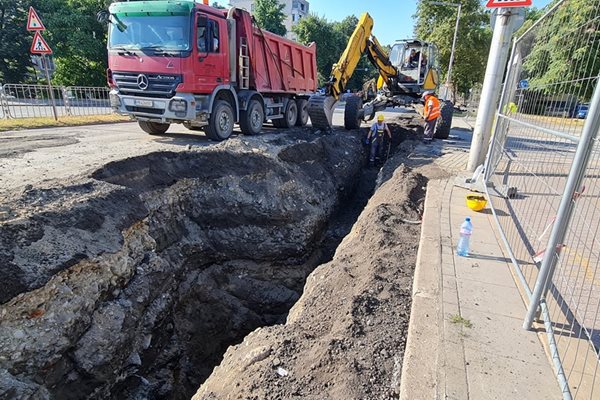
{"x":161,"y":274}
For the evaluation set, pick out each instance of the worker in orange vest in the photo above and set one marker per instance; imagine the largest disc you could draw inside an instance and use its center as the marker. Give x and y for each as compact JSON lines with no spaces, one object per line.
{"x":431,"y":113}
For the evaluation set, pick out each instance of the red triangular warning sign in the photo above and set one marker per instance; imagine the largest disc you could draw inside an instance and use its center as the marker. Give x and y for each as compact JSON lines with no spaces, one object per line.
{"x":34,"y":23}
{"x":39,"y":45}
{"x":508,"y":3}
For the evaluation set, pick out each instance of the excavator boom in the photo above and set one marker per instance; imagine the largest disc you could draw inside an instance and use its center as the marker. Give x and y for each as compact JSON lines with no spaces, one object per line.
{"x":320,"y":108}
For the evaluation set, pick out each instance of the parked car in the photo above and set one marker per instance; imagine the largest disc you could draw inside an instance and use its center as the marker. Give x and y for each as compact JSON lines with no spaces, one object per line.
{"x":582,"y":111}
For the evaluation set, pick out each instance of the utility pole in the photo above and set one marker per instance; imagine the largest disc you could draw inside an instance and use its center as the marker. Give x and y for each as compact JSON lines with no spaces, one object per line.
{"x":451,"y":63}
{"x":492,"y":83}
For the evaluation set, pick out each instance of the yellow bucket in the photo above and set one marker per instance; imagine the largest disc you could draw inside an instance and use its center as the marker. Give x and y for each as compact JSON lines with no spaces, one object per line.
{"x":476,"y":202}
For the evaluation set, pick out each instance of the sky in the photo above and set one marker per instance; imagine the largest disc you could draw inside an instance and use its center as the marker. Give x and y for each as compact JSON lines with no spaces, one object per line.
{"x":393,"y":18}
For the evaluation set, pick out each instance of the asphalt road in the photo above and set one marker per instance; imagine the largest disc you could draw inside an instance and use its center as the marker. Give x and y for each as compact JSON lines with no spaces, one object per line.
{"x":50,"y":157}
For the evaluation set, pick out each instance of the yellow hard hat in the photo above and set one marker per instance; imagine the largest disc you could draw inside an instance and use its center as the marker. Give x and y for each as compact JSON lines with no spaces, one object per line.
{"x":380,"y":118}
{"x":476,"y":202}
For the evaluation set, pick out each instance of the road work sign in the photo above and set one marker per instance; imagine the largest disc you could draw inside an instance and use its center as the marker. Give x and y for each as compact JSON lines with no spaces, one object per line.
{"x":508,"y":3}
{"x":34,"y":23}
{"x":39,"y":45}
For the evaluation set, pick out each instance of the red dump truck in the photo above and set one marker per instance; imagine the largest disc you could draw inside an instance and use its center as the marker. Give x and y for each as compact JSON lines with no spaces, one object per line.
{"x":184,"y":62}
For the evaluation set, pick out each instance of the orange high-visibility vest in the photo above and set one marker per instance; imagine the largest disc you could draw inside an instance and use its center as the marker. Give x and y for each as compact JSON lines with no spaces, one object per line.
{"x":432,"y":108}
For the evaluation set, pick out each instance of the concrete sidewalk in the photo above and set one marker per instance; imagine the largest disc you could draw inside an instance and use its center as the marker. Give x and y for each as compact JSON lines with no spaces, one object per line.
{"x":465,"y":338}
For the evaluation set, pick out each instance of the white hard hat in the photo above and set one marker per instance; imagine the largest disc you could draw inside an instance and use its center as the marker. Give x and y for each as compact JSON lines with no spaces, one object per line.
{"x":426,"y":93}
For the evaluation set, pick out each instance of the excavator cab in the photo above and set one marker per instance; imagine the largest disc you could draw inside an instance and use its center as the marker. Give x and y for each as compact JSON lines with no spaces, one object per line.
{"x":416,"y":62}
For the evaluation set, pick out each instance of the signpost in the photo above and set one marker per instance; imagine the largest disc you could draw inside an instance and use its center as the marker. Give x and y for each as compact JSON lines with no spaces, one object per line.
{"x":508,"y":3}
{"x":39,"y":46}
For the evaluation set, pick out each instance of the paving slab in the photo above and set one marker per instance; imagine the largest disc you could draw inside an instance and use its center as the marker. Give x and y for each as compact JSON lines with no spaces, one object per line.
{"x":479,"y":347}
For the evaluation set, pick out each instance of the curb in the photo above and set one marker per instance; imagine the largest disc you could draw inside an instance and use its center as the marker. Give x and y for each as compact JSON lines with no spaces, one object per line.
{"x":419,"y":379}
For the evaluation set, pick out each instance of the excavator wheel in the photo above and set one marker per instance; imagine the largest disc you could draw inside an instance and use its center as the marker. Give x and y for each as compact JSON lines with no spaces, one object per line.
{"x":353,"y":113}
{"x":444,"y":123}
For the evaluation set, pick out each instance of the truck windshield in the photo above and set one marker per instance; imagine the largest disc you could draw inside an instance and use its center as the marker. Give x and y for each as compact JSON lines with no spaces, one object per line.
{"x":169,"y":32}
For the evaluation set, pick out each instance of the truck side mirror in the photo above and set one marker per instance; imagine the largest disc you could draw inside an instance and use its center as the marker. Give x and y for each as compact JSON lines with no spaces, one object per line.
{"x":103,"y":17}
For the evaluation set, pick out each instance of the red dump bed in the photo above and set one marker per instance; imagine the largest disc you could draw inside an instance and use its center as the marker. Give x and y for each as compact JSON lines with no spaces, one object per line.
{"x":277,"y":65}
{"x":281,"y":65}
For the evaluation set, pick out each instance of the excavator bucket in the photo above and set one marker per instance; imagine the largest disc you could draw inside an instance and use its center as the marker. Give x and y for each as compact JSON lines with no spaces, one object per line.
{"x":320,"y":111}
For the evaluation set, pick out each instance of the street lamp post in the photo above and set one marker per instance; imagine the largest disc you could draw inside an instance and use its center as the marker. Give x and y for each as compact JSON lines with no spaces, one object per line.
{"x":449,"y":74}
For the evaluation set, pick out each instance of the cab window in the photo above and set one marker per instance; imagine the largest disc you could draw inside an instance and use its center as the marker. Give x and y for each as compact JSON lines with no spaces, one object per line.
{"x":208,"y":35}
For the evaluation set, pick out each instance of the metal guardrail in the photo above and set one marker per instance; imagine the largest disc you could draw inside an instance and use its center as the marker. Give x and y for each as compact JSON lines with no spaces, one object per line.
{"x":34,"y":101}
{"x":544,"y":168}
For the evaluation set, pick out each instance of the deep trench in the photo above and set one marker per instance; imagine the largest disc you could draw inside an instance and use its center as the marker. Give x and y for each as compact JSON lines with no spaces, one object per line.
{"x":159,"y":333}
{"x":265,"y":291}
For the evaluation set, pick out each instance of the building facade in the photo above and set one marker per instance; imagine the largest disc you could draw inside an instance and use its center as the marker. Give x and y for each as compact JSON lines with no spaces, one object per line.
{"x":294,"y":10}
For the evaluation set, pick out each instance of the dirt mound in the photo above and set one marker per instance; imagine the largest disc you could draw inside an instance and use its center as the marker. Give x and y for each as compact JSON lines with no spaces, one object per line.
{"x":345,"y":337}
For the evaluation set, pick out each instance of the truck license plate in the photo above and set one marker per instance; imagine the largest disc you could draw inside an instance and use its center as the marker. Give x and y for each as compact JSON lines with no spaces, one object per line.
{"x":143,"y":103}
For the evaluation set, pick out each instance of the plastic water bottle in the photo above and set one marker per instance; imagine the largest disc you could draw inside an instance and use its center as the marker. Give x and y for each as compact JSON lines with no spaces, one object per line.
{"x":466,"y":230}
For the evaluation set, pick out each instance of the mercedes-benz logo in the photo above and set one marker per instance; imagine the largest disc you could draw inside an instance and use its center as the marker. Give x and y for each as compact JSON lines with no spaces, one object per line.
{"x":142,"y":81}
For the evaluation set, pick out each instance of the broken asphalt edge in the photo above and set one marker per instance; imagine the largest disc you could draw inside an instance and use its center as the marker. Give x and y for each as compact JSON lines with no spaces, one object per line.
{"x":419,"y":379}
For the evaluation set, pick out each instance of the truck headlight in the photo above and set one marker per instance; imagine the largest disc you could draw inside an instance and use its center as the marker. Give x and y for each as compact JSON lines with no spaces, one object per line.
{"x":178,"y":105}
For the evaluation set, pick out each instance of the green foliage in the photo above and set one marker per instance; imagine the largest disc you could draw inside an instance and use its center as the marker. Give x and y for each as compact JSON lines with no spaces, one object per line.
{"x":217,"y":5}
{"x":269,"y":15}
{"x":436,"y":23}
{"x":76,"y":38}
{"x":564,"y":48}
{"x":14,"y":41}
{"x":332,"y":38}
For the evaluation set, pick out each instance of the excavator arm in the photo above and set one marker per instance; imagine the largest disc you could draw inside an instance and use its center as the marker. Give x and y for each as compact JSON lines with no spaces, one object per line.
{"x":320,"y":108}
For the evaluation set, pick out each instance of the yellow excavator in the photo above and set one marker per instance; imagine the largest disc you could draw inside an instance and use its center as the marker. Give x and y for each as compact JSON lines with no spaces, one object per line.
{"x":410,"y":69}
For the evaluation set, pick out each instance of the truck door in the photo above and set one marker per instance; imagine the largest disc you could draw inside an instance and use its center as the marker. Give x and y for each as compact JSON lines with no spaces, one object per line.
{"x":209,"y":69}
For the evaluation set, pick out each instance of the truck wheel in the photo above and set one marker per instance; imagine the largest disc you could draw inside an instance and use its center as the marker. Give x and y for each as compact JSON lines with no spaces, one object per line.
{"x":302,"y":105}
{"x":153,"y":128}
{"x":444,"y":123}
{"x":289,"y":116}
{"x":220,"y":124}
{"x":353,"y":113}
{"x":251,"y":120}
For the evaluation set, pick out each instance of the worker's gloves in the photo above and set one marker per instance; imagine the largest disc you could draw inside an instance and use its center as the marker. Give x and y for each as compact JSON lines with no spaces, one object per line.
{"x":367,"y":141}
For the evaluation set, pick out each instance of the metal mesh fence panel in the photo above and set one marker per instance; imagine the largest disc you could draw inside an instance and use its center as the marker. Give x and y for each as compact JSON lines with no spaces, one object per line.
{"x":35,"y":101}
{"x":539,"y":136}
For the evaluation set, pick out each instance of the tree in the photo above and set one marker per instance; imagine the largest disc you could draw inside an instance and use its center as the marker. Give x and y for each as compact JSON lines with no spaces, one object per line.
{"x":317,"y":29}
{"x":435,"y":23}
{"x":332,"y":39}
{"x":564,"y":48}
{"x":217,"y":5}
{"x":78,"y":41}
{"x":269,"y":15}
{"x":14,"y":42}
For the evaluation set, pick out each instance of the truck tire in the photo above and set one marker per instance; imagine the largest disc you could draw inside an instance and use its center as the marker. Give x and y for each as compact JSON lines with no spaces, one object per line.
{"x":289,"y":116}
{"x":220,"y":124}
{"x":302,"y":105}
{"x":153,"y":128}
{"x":444,"y":123}
{"x":353,"y":112}
{"x":251,"y":120}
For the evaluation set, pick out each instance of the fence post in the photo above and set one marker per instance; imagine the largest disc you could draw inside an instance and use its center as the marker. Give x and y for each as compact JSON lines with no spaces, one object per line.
{"x":66,"y":101}
{"x":565,"y":210}
{"x":4,"y":103}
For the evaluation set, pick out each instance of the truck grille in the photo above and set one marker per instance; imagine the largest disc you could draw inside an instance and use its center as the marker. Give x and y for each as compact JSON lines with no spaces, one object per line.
{"x":147,"y":85}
